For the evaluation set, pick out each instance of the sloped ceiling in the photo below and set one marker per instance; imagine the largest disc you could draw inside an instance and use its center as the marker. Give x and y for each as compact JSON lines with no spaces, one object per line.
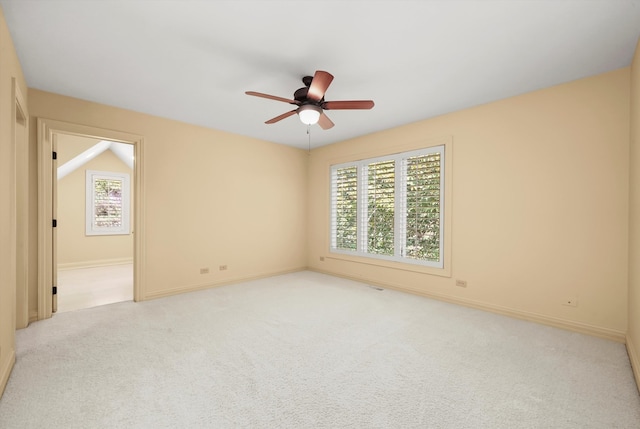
{"x":193,"y":60}
{"x":74,"y":152}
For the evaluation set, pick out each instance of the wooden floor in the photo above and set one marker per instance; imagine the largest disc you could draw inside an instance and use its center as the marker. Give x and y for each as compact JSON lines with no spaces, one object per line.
{"x":91,"y":287}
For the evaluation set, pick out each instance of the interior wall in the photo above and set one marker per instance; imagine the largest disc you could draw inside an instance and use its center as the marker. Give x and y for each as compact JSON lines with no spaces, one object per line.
{"x":212,"y":198}
{"x":540,"y":205}
{"x":75,"y":248}
{"x":633,"y":333}
{"x":9,"y":69}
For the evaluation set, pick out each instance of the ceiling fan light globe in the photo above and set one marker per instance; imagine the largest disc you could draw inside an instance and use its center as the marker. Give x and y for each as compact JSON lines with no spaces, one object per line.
{"x":309,"y":114}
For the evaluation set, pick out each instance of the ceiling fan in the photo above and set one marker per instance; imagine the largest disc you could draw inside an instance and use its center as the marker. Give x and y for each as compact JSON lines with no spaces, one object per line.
{"x":311,"y":103}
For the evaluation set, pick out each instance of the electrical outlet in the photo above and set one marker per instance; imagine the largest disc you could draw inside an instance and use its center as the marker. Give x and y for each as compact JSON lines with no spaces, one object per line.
{"x":572,"y":301}
{"x":321,"y":258}
{"x":461,"y":283}
{"x":223,"y":267}
{"x":204,"y":270}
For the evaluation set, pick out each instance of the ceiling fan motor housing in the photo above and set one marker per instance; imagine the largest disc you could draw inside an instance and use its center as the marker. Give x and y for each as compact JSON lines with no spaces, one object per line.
{"x":301,"y":94}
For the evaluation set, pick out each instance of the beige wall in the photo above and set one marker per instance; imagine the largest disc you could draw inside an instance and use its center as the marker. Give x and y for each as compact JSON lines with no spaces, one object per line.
{"x":75,"y":248}
{"x":9,"y":69}
{"x":540,"y":205}
{"x":212,"y":198}
{"x":633,"y":334}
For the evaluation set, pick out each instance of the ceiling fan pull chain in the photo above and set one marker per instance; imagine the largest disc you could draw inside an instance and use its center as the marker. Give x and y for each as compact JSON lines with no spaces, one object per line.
{"x":309,"y":135}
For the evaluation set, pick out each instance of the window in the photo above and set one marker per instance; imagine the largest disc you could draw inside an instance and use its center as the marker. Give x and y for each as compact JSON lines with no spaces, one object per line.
{"x":107,"y":204}
{"x":390,"y":207}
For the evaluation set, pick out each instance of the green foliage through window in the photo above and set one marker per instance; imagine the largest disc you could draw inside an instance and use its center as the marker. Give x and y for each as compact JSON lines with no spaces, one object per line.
{"x":107,"y":203}
{"x":423,"y":207}
{"x":346,"y":208}
{"x":380,"y":207}
{"x":390,"y":207}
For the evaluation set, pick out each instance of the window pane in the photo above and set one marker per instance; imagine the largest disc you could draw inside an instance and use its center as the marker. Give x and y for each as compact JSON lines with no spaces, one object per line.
{"x":346,"y":208}
{"x":380,"y":207}
{"x":107,"y":203}
{"x":423,"y":207}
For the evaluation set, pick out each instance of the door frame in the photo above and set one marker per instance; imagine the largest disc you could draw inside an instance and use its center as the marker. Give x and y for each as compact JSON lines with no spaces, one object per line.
{"x":47,"y":129}
{"x":22,"y":209}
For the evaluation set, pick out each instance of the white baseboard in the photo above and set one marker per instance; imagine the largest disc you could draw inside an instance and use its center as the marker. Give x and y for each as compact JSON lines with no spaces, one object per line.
{"x":570,"y":325}
{"x":209,"y":285}
{"x":5,"y":371}
{"x":93,"y":264}
{"x":634,"y":358}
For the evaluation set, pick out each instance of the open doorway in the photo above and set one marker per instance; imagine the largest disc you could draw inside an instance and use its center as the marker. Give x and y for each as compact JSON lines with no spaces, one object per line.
{"x":94,"y":236}
{"x":50,"y":132}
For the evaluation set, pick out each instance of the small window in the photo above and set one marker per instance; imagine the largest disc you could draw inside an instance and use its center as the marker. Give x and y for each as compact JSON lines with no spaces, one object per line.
{"x":107,"y":203}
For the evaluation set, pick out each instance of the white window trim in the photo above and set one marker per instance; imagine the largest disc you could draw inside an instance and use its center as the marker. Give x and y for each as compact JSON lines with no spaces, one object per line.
{"x":90,"y":228}
{"x":443,"y":265}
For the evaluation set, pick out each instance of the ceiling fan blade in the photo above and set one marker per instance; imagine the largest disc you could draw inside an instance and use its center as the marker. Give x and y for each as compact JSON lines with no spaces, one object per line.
{"x":281,"y":117}
{"x":351,"y":104}
{"x":319,"y":84}
{"x":324,"y":122}
{"x":272,"y":97}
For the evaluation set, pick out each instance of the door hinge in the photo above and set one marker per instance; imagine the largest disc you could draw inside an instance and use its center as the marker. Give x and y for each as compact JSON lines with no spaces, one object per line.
{"x":55,"y":155}
{"x":55,"y":290}
{"x":55,"y":223}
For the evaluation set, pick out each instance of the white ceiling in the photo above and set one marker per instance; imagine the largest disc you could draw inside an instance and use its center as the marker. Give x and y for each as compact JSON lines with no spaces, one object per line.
{"x":193,"y":60}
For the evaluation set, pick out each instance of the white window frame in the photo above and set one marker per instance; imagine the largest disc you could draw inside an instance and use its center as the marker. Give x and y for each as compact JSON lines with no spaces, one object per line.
{"x":90,"y":228}
{"x":399,"y":204}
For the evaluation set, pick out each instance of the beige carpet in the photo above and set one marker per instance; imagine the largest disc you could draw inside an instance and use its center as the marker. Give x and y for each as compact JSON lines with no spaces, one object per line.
{"x":306,"y":350}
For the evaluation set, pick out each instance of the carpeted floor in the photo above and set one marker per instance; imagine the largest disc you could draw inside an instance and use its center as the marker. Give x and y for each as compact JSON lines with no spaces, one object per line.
{"x":306,"y":350}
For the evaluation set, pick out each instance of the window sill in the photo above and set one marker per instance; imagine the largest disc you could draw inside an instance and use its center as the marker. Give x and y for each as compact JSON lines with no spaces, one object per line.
{"x":415,"y":268}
